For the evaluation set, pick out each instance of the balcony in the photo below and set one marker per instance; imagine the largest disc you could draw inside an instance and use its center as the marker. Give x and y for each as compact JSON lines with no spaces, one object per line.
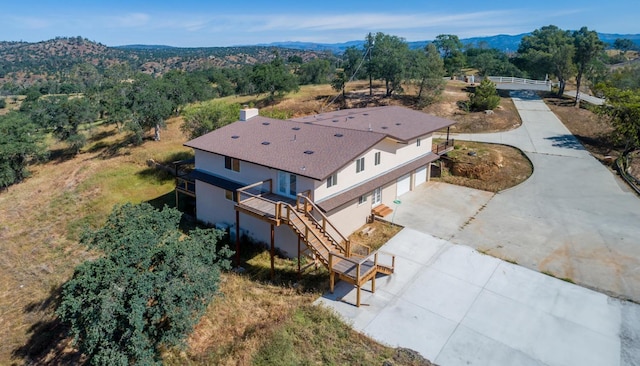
{"x":443,"y":147}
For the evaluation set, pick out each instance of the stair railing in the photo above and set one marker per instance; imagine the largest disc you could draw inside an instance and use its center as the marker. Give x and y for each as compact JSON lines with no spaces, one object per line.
{"x":291,"y":212}
{"x":323,"y":222}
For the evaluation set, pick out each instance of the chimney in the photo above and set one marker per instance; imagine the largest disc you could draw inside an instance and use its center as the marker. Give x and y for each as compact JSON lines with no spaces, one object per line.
{"x":247,"y":113}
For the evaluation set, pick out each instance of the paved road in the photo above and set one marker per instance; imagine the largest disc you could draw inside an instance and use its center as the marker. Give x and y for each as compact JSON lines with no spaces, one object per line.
{"x":573,"y":218}
{"x":585,"y":97}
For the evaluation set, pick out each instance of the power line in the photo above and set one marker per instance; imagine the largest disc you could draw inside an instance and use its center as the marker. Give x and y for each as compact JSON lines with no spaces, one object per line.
{"x":364,"y":56}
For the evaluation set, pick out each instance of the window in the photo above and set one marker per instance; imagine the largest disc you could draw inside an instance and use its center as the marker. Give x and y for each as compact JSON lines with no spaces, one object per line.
{"x":360,"y":165}
{"x":418,"y":142}
{"x":230,"y":195}
{"x":362,"y":199}
{"x":376,"y":160}
{"x":332,"y":180}
{"x":377,"y":196}
{"x":232,"y":164}
{"x":287,"y":184}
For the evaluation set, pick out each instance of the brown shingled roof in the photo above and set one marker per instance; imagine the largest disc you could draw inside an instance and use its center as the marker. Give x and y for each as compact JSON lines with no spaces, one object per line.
{"x":310,"y":150}
{"x":399,"y":123}
{"x":319,"y":145}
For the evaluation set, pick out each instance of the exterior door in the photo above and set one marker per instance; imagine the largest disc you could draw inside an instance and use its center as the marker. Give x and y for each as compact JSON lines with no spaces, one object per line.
{"x":404,"y":185}
{"x":287,"y":184}
{"x":421,"y":176}
{"x":377,"y":196}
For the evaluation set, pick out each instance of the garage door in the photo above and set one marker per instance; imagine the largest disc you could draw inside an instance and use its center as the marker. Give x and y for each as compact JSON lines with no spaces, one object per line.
{"x":404,"y":184}
{"x":421,"y":176}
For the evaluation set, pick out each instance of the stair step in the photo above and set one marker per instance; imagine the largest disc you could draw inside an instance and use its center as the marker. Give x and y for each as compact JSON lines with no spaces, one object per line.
{"x":382,"y":210}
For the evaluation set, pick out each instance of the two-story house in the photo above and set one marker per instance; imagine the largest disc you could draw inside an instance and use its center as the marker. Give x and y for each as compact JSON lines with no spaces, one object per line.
{"x":338,"y":168}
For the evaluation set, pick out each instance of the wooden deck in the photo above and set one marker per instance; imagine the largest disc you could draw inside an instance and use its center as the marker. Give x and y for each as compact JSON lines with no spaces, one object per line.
{"x":358,"y":271}
{"x":265,"y":206}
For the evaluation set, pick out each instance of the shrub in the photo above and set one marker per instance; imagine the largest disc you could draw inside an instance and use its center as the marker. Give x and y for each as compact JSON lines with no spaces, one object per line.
{"x":485,"y":97}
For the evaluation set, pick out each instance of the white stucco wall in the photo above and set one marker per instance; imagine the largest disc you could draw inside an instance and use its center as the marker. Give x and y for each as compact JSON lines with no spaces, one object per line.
{"x":213,"y":208}
{"x":392,"y":155}
{"x":349,"y":217}
{"x":211,"y":205}
{"x":249,"y":173}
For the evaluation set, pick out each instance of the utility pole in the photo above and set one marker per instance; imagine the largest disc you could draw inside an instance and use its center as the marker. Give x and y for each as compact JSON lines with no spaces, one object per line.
{"x":369,"y":66}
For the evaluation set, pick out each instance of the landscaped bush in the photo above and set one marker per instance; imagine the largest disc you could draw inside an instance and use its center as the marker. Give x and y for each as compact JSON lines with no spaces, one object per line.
{"x":485,"y":97}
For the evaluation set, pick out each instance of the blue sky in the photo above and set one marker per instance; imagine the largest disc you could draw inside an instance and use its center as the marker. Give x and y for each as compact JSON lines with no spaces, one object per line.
{"x":191,"y":23}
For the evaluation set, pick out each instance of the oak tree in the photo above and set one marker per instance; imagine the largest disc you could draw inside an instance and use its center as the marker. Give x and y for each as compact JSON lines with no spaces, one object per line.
{"x":147,"y":290}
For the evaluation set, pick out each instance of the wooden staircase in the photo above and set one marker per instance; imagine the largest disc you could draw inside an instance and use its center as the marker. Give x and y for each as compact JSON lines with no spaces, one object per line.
{"x":351,"y":262}
{"x":333,"y":250}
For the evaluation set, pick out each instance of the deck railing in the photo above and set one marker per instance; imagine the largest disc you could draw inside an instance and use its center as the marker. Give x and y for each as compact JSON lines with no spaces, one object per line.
{"x":255,"y":192}
{"x":443,"y":147}
{"x":290,"y":213}
{"x":185,"y":185}
{"x":323,"y":222}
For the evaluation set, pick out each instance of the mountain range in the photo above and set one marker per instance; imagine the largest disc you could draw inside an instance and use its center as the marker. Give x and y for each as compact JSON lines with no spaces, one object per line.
{"x":24,"y":63}
{"x":502,"y":42}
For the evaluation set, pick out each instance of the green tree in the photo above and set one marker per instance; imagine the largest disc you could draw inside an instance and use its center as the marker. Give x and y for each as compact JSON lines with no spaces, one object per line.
{"x":548,"y":51}
{"x":181,"y":88}
{"x":339,"y":82}
{"x":624,"y":45}
{"x":389,"y":59}
{"x":150,"y":106}
{"x":64,"y":116}
{"x":115,"y":103}
{"x":202,"y":118}
{"x":450,"y":47}
{"x":147,"y":291}
{"x":428,"y":72}
{"x":316,"y":71}
{"x":273,"y":78}
{"x":86,"y":76}
{"x":625,"y":78}
{"x":485,"y":97}
{"x":20,"y":144}
{"x":588,"y":46}
{"x":623,"y":110}
{"x":3,"y":103}
{"x":352,"y":63}
{"x":491,"y":61}
{"x":294,"y":62}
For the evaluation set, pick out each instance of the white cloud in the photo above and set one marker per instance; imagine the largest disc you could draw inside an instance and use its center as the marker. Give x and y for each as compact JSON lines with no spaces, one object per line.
{"x":30,"y":22}
{"x":130,"y":20}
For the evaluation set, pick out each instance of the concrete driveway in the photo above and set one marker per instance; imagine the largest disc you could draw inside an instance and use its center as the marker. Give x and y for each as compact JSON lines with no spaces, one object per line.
{"x":459,"y":307}
{"x":573,"y":218}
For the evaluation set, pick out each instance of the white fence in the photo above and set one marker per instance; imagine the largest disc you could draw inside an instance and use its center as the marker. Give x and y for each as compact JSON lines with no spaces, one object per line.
{"x":509,"y":79}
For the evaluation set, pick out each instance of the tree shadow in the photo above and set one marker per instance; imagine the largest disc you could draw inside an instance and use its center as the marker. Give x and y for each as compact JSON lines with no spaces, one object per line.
{"x":49,"y":342}
{"x":156,"y":175}
{"x":101,"y":135}
{"x":524,"y":94}
{"x":256,"y":264}
{"x":566,"y":142}
{"x":110,"y":150}
{"x":178,"y":156}
{"x":60,"y":155}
